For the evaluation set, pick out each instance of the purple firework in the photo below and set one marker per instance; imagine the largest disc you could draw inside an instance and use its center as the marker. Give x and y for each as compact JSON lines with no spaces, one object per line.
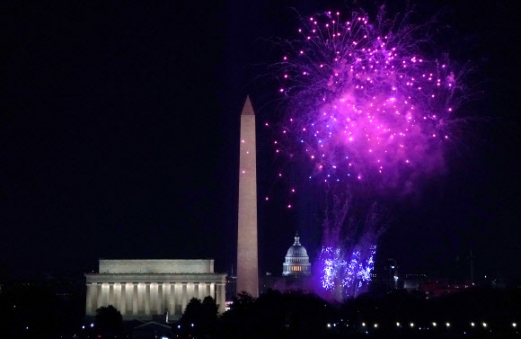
{"x":365,"y":103}
{"x":366,"y":107}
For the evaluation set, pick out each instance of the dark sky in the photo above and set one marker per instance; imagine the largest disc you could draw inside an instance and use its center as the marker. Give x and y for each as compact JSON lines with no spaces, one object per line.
{"x":120,"y":125}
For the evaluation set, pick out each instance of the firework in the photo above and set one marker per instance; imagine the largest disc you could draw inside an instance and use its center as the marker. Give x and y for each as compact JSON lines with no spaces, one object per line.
{"x":364,"y":102}
{"x":346,"y":273}
{"x":366,"y":107}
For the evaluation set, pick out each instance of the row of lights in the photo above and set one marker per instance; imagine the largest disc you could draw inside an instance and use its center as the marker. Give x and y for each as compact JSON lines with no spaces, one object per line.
{"x":434,"y":324}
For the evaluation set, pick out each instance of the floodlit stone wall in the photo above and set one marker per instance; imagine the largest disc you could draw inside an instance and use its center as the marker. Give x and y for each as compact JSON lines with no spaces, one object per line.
{"x":151,"y":266}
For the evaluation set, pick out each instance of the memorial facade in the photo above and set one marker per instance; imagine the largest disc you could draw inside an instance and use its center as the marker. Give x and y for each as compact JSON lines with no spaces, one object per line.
{"x":143,"y":289}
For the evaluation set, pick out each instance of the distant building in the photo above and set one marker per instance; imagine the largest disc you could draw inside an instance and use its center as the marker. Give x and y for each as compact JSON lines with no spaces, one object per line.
{"x":297,"y":260}
{"x":413,"y":281}
{"x":432,"y":287}
{"x":231,"y":286}
{"x":296,"y":270}
{"x":385,"y":277}
{"x":147,"y":289}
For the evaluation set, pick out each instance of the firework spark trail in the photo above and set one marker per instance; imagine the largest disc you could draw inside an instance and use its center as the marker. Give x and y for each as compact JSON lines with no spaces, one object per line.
{"x":366,"y":108}
{"x":347,"y":256}
{"x":364,"y":102}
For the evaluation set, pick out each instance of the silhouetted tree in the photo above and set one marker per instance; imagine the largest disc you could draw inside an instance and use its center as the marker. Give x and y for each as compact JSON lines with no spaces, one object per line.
{"x":108,"y":319}
{"x":199,"y":318}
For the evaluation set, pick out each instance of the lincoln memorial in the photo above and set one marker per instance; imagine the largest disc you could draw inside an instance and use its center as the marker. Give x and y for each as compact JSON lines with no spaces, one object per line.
{"x":141,"y":289}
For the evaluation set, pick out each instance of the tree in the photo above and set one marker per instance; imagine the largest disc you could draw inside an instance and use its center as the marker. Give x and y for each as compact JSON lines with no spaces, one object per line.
{"x":109,"y":319}
{"x":199,"y":318}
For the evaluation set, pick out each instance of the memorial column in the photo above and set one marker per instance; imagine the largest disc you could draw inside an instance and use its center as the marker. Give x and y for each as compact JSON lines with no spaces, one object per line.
{"x":159,"y":298}
{"x":184,"y":297}
{"x":147,"y":298}
{"x":91,"y":295}
{"x":135,"y":299}
{"x":123,"y":299}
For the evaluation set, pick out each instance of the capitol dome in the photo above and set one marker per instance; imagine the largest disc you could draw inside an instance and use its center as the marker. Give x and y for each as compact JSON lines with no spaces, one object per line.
{"x":297,"y":260}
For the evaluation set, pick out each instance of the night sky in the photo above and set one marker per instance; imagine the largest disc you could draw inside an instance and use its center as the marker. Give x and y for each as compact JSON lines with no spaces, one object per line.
{"x":120,"y":126}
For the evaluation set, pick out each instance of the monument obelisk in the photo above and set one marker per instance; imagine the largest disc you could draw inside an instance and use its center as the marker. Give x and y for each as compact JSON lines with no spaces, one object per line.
{"x":247,"y":252}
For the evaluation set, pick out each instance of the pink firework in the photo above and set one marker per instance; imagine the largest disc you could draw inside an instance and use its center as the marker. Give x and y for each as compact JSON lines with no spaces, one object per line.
{"x":365,"y":102}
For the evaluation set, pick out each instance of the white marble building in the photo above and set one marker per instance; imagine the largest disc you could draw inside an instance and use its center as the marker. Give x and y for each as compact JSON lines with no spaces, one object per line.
{"x":142,"y":289}
{"x":297,"y":260}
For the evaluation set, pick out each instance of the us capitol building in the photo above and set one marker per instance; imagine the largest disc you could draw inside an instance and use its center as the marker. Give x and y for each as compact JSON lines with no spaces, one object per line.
{"x":297,"y":260}
{"x":296,"y":271}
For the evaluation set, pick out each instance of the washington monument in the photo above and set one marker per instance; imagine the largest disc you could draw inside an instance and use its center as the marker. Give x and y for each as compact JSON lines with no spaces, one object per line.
{"x":247,"y":252}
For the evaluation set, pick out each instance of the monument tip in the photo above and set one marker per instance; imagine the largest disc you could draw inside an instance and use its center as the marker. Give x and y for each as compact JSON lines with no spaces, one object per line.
{"x":247,"y":108}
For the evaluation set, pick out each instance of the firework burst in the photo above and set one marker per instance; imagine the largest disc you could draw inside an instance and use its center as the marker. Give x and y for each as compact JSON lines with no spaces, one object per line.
{"x":364,"y":102}
{"x":367,"y":107}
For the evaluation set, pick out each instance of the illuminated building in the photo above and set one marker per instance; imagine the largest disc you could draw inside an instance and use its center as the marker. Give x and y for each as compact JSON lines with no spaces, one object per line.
{"x":144,"y":289}
{"x":296,"y":271}
{"x":297,"y":260}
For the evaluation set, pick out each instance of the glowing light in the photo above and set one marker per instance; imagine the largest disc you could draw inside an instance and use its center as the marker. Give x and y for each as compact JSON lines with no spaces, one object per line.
{"x":355,"y":79}
{"x":350,"y":270}
{"x":366,"y":107}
